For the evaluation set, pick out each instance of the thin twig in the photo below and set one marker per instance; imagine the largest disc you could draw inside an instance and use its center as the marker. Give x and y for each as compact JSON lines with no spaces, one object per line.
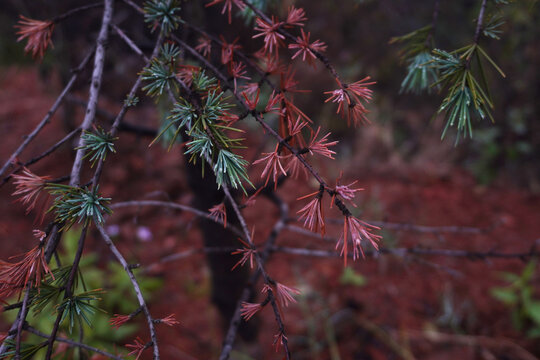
{"x":73,"y":343}
{"x":50,"y":113}
{"x":129,"y":42}
{"x":71,"y":12}
{"x":110,"y":117}
{"x":322,"y":58}
{"x":172,"y":205}
{"x":43,"y":155}
{"x":134,"y":283}
{"x":95,"y":86}
{"x":122,"y":113}
{"x":247,"y":292}
{"x":67,"y":291}
{"x":24,"y":311}
{"x":480,"y":21}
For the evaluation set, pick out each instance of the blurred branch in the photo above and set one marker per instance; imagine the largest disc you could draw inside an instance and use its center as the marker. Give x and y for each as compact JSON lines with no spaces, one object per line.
{"x":401,"y":252}
{"x":50,"y":113}
{"x":500,"y":344}
{"x":124,"y":126}
{"x":175,"y":206}
{"x":414,"y":227}
{"x":135,"y":285}
{"x":97,"y":73}
{"x":42,"y":155}
{"x":73,"y":343}
{"x":246,"y":294}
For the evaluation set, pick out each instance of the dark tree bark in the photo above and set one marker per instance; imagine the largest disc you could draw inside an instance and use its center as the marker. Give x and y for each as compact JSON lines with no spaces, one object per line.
{"x":227,"y":285}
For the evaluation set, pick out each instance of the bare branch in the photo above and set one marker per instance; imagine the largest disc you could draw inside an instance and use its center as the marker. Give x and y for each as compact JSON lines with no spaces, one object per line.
{"x":175,"y":206}
{"x":95,"y":86}
{"x":73,"y":343}
{"x":48,"y":116}
{"x":135,"y":285}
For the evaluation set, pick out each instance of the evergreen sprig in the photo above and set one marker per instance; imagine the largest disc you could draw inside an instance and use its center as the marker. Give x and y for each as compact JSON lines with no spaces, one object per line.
{"x":203,"y":83}
{"x":492,"y":28}
{"x":74,"y":204}
{"x":169,"y":53}
{"x":467,"y":96}
{"x":78,"y":308}
{"x":413,"y":43}
{"x":201,"y":146}
{"x":46,"y":294}
{"x":162,"y":13}
{"x":160,"y":77}
{"x":131,"y":101}
{"x":26,"y":351}
{"x":416,"y":53}
{"x":420,"y":76}
{"x":231,"y":167}
{"x":97,"y":145}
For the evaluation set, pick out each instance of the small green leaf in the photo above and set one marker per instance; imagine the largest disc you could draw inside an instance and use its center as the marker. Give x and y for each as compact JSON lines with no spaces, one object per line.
{"x":350,"y":277}
{"x":505,"y":295}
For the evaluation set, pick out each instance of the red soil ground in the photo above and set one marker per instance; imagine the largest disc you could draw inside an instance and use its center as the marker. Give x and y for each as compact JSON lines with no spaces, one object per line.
{"x":384,"y":319}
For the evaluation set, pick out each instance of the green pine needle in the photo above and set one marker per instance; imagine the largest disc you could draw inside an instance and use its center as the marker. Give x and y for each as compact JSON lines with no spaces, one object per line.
{"x":420,"y":75}
{"x":74,"y":204}
{"x":162,"y":13}
{"x":97,"y":145}
{"x":160,"y":77}
{"x":78,"y":308}
{"x":231,"y":168}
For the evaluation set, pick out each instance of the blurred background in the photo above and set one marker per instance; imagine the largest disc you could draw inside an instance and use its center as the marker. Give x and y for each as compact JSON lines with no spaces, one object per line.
{"x":396,"y":305}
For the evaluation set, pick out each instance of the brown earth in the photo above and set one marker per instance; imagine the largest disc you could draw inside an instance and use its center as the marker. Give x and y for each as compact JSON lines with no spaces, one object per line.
{"x":386,"y":318}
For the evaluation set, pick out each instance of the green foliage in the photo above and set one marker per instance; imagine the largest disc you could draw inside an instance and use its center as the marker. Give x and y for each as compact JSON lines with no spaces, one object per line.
{"x":204,"y":124}
{"x":97,"y":144}
{"x":519,"y":296}
{"x":74,"y":204}
{"x":169,"y":53}
{"x":162,"y":13}
{"x":231,"y":167}
{"x":202,"y":82}
{"x":27,"y":351}
{"x":466,"y":96}
{"x":492,"y":28}
{"x":46,"y":294}
{"x":201,"y":146}
{"x":131,"y":101}
{"x":416,"y":53}
{"x":351,"y":277}
{"x":78,"y":307}
{"x":420,"y":76}
{"x":160,"y":77}
{"x":413,"y":43}
{"x":117,"y":297}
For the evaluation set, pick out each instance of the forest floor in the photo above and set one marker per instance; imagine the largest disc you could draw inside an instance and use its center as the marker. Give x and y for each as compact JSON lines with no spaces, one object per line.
{"x":387,"y":306}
